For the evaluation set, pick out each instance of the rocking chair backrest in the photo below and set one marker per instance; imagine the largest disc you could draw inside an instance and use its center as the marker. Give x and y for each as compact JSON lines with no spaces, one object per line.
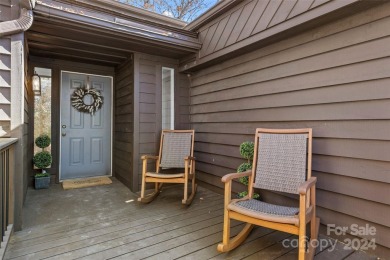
{"x":174,"y":147}
{"x":281,"y":160}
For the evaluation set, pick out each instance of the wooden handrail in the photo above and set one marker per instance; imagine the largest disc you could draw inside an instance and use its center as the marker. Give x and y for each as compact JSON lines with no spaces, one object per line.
{"x":7,"y":195}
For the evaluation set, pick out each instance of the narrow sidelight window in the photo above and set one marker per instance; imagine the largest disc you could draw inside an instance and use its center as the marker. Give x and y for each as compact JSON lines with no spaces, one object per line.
{"x":42,"y":106}
{"x":168,"y":112}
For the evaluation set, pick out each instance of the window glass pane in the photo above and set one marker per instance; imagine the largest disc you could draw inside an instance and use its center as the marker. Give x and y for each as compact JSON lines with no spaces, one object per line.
{"x":168,"y":113}
{"x":42,"y":107}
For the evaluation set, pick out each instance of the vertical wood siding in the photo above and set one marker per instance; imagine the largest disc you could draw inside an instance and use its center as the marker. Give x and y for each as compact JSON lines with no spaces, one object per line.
{"x":334,"y":79}
{"x":249,"y":18}
{"x":123,"y":122}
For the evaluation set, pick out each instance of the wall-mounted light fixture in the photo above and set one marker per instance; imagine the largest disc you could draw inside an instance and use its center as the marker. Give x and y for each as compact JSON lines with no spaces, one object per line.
{"x":36,"y":84}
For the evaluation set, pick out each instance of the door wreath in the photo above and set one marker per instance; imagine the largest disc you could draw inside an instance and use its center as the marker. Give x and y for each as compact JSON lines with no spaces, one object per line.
{"x":78,"y":100}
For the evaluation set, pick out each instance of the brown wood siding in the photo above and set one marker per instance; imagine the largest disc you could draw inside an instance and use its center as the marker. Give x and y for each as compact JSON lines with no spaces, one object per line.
{"x":148,"y":78}
{"x":254,"y":24}
{"x":28,"y":126}
{"x":249,"y":18}
{"x":334,"y":79}
{"x":182,"y":115}
{"x":123,"y":122}
{"x":5,"y":10}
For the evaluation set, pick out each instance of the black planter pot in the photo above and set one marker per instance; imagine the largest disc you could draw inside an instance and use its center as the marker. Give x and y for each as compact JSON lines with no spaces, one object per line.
{"x":42,"y":183}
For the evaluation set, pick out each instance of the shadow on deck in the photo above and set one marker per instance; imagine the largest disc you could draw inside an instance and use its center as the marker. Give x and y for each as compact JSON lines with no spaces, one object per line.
{"x":106,"y":222}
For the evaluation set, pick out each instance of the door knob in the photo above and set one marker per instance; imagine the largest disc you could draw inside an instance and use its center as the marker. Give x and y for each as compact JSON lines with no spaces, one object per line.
{"x":63,"y":134}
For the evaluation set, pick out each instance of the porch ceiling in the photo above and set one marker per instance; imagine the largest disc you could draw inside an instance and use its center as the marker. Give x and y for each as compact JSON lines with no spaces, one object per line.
{"x":82,"y":33}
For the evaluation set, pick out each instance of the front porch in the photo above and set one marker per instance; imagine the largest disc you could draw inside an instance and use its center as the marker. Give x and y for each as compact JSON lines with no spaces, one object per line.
{"x":106,"y":222}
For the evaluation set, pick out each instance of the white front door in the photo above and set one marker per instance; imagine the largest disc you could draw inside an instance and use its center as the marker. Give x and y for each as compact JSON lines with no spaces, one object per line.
{"x":85,"y":138}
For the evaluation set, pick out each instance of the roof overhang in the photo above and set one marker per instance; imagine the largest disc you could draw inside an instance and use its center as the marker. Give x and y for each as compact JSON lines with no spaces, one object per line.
{"x":324,"y":13}
{"x":218,"y":9}
{"x":74,"y":28}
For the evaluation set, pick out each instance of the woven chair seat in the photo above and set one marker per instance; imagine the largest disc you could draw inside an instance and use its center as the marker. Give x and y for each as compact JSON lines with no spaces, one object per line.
{"x":165,"y":175}
{"x":262,"y":210}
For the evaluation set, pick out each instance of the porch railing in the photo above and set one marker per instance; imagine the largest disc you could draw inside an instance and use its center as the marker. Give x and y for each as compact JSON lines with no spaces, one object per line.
{"x":7,"y":191}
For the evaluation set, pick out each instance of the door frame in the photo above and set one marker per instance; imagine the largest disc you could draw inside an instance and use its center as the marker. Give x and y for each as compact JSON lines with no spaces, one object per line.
{"x":111,"y":119}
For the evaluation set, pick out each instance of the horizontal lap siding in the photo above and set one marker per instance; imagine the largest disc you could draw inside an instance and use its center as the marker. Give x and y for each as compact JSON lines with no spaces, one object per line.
{"x":123,"y":136}
{"x":334,"y":79}
{"x":182,"y":115}
{"x":150,"y":103}
{"x":5,"y":86}
{"x":148,"y":114}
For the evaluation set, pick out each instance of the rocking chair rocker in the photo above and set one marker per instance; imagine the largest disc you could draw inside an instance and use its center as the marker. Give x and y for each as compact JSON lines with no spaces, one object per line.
{"x":176,"y":151}
{"x":282,"y":163}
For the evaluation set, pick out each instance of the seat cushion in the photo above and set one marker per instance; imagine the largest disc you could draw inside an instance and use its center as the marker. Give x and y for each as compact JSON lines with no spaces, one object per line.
{"x":266,"y":211}
{"x":165,"y":175}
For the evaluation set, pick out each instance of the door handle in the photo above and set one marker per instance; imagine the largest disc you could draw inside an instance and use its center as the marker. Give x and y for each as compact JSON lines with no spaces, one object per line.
{"x":63,"y":127}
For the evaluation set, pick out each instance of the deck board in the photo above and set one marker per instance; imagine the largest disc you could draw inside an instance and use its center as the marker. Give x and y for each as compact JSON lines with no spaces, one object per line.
{"x":271,"y":252}
{"x":106,"y":222}
{"x":211,"y":252}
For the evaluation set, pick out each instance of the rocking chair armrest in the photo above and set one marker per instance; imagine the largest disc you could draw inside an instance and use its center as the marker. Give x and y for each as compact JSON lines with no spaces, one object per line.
{"x":190,"y":160}
{"x":231,"y":176}
{"x":304,"y":187}
{"x":146,"y":157}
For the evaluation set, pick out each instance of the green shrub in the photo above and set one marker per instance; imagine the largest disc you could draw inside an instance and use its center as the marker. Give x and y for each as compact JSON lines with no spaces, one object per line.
{"x":244,"y":180}
{"x":242,"y":194}
{"x":41,"y":175}
{"x":42,"y":159}
{"x":247,"y":150}
{"x":43,"y":141}
{"x":244,"y":167}
{"x":245,"y":193}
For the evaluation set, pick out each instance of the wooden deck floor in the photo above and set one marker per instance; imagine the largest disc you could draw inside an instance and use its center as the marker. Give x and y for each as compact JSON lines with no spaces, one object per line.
{"x":106,"y":222}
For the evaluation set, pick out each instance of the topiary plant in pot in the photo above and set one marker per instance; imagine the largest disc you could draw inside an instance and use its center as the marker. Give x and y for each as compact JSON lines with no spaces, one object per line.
{"x":42,"y":160}
{"x":246,"y":151}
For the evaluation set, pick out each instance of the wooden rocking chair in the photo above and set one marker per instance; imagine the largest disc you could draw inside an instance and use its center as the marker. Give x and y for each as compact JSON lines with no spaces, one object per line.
{"x":281,"y":158}
{"x":176,"y":151}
